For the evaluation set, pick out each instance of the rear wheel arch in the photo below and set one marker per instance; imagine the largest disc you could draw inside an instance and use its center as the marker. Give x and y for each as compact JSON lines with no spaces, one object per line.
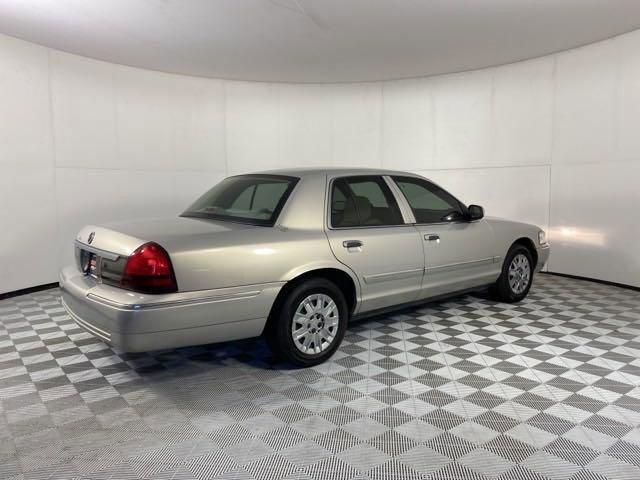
{"x":308,"y":325}
{"x":338,"y":277}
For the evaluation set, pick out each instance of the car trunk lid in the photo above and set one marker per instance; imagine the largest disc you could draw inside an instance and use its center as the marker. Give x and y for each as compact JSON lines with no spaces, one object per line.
{"x":102,"y":251}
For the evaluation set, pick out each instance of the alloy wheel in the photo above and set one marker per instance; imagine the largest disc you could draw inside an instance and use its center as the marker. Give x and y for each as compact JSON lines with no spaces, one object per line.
{"x":315,"y":324}
{"x":519,"y":273}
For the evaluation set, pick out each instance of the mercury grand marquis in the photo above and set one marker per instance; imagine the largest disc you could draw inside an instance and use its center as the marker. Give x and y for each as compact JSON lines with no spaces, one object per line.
{"x":292,"y":255}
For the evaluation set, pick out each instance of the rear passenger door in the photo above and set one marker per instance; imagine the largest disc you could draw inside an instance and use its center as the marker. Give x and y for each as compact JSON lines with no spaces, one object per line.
{"x":368,"y":232}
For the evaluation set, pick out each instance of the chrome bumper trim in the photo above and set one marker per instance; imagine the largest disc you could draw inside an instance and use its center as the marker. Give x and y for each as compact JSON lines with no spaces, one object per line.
{"x":98,"y":332}
{"x":173,"y":303}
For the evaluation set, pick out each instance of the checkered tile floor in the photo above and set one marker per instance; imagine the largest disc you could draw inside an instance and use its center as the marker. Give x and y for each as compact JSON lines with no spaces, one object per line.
{"x":467,"y":388}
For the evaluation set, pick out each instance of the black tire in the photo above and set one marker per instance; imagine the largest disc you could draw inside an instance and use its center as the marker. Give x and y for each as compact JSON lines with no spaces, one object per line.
{"x":502,"y":290}
{"x":279,"y":328}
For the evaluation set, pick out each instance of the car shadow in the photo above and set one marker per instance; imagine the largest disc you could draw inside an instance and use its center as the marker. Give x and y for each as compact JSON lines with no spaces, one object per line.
{"x":253,"y":354}
{"x":228,"y":375}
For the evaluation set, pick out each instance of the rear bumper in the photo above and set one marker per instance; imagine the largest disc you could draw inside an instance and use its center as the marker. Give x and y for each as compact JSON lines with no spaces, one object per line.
{"x":134,"y":322}
{"x":543,"y":256}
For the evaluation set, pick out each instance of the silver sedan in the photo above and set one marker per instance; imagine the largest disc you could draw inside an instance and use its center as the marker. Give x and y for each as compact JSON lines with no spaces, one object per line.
{"x":292,"y":255}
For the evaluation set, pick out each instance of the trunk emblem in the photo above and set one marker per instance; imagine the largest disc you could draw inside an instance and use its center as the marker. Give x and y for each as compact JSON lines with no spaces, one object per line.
{"x":91,"y":237}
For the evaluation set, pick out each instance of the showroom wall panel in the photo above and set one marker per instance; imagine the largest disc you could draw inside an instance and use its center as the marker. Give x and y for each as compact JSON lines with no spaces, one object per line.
{"x":462,"y":104}
{"x":585,"y":109}
{"x":252,"y":126}
{"x":356,"y":125}
{"x":304,"y":121}
{"x":408,"y":124}
{"x":84,"y":108}
{"x":27,"y":188}
{"x":522,"y":113}
{"x":93,"y":142}
{"x":28,"y":220}
{"x":596,"y":161}
{"x":25,"y":132}
{"x":628,"y":98}
{"x":283,"y":125}
{"x":595,"y":226}
{"x":169,"y":122}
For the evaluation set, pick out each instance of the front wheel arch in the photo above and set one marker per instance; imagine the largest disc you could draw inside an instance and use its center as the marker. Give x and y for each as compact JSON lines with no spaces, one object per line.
{"x":501,"y":290}
{"x":529,"y":245}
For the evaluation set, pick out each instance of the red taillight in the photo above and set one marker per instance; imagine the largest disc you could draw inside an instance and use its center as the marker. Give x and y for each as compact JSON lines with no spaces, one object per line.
{"x":149,"y":270}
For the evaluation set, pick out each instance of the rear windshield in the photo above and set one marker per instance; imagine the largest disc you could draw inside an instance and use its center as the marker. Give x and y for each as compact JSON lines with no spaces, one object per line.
{"x":254,"y":199}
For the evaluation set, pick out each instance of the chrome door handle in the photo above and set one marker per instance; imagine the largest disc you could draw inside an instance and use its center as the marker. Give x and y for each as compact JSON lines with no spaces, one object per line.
{"x":431,"y":237}
{"x":352,"y":243}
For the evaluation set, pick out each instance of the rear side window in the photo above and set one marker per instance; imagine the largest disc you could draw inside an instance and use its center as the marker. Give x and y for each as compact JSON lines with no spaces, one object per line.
{"x":429,"y":203}
{"x":363,"y":201}
{"x":254,"y":199}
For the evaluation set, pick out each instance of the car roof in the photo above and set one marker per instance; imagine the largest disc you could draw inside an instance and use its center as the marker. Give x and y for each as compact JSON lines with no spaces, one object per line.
{"x":307,"y":172}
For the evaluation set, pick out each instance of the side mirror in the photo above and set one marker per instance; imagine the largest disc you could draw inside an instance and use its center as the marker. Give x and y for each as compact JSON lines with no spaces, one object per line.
{"x":476,"y":212}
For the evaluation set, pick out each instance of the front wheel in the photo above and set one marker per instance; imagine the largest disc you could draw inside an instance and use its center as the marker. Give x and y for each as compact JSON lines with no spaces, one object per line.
{"x":516,"y":277}
{"x":308,"y":326}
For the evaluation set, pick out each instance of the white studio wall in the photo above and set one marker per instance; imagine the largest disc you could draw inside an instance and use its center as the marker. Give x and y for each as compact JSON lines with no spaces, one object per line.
{"x":549,"y":141}
{"x":83,"y":141}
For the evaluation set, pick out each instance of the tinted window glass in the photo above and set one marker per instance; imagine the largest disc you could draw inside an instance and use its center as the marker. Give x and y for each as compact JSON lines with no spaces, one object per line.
{"x":255,"y":199}
{"x":363,"y":201}
{"x":243,"y":201}
{"x":343,"y":210}
{"x":430,"y":203}
{"x":267,"y":195}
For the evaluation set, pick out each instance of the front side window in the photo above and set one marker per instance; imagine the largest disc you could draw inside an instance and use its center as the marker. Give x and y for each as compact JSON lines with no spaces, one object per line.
{"x":254,"y":199}
{"x":429,"y":203}
{"x":363,"y":201}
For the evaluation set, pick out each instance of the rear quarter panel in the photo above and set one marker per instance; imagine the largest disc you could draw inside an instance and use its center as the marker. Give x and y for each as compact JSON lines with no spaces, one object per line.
{"x":261,"y":255}
{"x":295,"y":245}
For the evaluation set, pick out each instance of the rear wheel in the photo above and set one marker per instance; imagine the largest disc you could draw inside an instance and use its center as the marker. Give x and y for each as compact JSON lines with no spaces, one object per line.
{"x":516,"y":277}
{"x":309,"y":324}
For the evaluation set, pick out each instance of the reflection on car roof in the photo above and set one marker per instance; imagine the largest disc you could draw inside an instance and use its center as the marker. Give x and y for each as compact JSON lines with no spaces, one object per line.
{"x":304,"y":172}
